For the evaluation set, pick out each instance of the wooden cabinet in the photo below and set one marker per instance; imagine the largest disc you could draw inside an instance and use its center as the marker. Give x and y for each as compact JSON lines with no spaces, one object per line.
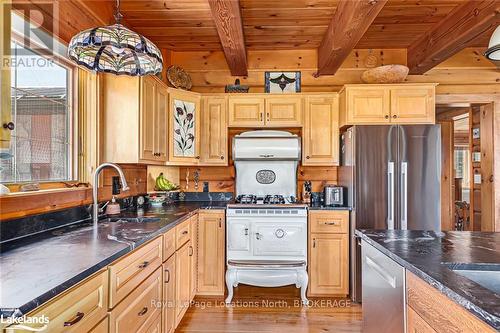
{"x":134,"y":119}
{"x":183,"y":233}
{"x":364,"y":104}
{"x":211,"y":252}
{"x":328,"y":253}
{"x":184,"y":128}
{"x":139,"y":311}
{"x":320,"y":138}
{"x":431,"y":311}
{"x":214,"y":131}
{"x":183,"y":266}
{"x":78,"y":310}
{"x":169,"y":243}
{"x":246,"y":111}
{"x":102,"y":327}
{"x":283,"y":111}
{"x":127,"y":273}
{"x":169,"y":298}
{"x":413,"y":104}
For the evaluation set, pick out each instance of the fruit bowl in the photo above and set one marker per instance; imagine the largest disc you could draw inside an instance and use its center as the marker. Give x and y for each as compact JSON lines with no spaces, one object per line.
{"x":156,"y":200}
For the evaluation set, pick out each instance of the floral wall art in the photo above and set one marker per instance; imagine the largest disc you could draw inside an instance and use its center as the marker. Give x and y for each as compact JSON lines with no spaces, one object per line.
{"x":184,"y":129}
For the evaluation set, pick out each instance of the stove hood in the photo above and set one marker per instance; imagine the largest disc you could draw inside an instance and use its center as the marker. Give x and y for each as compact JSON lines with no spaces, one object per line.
{"x":266,"y":145}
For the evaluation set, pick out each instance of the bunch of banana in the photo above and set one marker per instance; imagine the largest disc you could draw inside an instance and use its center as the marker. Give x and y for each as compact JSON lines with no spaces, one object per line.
{"x":163,"y":184}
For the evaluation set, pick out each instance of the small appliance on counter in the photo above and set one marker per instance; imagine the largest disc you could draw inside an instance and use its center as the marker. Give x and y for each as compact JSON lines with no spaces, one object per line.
{"x":333,"y":195}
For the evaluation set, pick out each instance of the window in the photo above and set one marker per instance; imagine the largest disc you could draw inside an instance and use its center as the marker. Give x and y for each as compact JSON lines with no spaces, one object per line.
{"x":41,"y":143}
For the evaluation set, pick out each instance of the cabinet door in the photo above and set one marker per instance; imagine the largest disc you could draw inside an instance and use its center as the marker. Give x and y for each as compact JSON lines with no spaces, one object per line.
{"x":328,"y":264}
{"x":194,"y":256}
{"x":368,"y":105}
{"x":246,"y":111}
{"x":321,"y":131}
{"x":283,"y":111}
{"x":161,"y":123}
{"x":211,"y":253}
{"x":147,"y":120}
{"x":182,"y":280}
{"x":169,"y":298}
{"x":416,"y":324}
{"x":413,"y":105}
{"x":214,"y":131}
{"x":184,"y":128}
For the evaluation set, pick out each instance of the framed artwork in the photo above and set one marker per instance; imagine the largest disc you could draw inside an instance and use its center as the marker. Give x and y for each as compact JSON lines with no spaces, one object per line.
{"x":282,"y":82}
{"x":184,"y":129}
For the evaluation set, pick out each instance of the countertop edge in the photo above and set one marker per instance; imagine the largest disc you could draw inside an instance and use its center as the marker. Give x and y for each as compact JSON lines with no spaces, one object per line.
{"x":474,"y":309}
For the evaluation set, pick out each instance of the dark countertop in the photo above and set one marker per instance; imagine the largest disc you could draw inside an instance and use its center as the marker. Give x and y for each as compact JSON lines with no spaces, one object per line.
{"x":35,"y":269}
{"x":320,"y":207}
{"x":430,"y":255}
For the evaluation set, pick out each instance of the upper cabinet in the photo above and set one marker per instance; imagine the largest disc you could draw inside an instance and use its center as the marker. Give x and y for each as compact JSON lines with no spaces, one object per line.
{"x":184,"y":128}
{"x":390,"y":103}
{"x":320,"y":138}
{"x":271,"y":111}
{"x":214,"y":131}
{"x":134,"y":119}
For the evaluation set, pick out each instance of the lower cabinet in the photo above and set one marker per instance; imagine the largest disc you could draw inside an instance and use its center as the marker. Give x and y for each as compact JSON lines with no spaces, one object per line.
{"x":328,"y":253}
{"x":211,"y":252}
{"x":102,"y":327}
{"x":141,"y":309}
{"x":194,"y":258}
{"x":417,"y":324}
{"x":169,"y":299}
{"x":183,"y":276}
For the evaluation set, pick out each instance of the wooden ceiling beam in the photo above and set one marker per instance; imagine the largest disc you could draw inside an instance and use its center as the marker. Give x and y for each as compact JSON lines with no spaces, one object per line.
{"x":349,"y":23}
{"x":458,"y":30}
{"x":227,"y":19}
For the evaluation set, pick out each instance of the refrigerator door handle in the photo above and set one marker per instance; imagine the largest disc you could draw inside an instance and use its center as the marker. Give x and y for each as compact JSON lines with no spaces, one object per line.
{"x":404,"y":195}
{"x":390,"y":195}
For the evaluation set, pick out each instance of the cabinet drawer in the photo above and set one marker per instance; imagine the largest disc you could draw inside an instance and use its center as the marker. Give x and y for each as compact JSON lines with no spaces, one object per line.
{"x":102,"y":327}
{"x":138,"y":313}
{"x":78,"y":310}
{"x":183,"y":233}
{"x":329,"y":221}
{"x":169,"y":244}
{"x":130,"y":271}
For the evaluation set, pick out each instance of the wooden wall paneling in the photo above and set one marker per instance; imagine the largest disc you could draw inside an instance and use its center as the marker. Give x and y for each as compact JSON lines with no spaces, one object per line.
{"x":487,"y":148}
{"x":447,"y":175}
{"x":227,"y":18}
{"x":455,"y":32}
{"x":348,"y":25}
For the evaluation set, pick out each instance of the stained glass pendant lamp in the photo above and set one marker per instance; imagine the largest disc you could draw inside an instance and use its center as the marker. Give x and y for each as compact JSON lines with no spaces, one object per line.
{"x":115,"y":49}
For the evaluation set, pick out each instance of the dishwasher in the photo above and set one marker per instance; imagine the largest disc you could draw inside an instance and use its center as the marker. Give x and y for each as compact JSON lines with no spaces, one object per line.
{"x":383,"y":292}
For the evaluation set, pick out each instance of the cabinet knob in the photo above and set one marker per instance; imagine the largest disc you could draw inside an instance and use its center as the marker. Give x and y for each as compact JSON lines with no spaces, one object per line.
{"x":197,"y":157}
{"x":10,"y":126}
{"x":394,"y":116}
{"x":308,"y":157}
{"x":386,"y":116}
{"x":221,"y":157}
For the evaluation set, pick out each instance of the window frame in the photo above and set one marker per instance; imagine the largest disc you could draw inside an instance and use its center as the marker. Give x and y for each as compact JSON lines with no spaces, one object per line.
{"x":72,"y":119}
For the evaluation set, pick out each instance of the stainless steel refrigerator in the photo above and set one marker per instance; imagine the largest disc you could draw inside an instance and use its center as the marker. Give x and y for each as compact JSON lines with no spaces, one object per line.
{"x":392,"y":174}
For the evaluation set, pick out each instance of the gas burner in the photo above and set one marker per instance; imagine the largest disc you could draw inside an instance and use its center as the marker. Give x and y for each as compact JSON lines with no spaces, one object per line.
{"x":246,"y":199}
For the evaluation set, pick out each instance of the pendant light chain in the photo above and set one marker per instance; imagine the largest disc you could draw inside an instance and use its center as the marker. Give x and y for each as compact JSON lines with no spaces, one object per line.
{"x":118,"y":15}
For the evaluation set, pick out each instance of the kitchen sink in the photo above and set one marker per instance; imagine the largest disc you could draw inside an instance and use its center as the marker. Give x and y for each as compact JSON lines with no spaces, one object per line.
{"x":130,"y":219}
{"x":486,"y":275}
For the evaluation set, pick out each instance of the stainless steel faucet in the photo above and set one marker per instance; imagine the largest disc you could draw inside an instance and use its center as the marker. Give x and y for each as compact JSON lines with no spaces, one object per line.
{"x":95,"y":206}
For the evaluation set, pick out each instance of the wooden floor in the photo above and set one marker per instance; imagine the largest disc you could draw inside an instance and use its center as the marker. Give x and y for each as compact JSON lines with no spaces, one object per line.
{"x":270,"y":310}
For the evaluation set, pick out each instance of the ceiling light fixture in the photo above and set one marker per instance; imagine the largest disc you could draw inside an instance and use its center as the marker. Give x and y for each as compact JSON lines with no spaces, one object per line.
{"x":493,"y":51}
{"x":115,"y":49}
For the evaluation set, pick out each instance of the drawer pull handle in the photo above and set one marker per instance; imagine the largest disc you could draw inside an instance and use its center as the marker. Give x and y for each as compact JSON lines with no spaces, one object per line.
{"x":79,"y":316}
{"x":331,"y":223}
{"x":191,"y":251}
{"x":144,"y":264}
{"x":167,"y":280}
{"x":143,"y":311}
{"x":314,"y":242}
{"x":185,"y":232}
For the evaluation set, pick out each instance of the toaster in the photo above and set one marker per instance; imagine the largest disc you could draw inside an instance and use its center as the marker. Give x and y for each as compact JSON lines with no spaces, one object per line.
{"x":333,"y":195}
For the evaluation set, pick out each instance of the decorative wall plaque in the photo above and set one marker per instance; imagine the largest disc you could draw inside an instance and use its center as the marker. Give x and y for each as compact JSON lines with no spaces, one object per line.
{"x":265,"y":176}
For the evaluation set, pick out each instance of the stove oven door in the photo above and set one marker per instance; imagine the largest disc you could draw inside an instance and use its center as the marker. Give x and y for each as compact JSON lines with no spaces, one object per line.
{"x":280,"y":240}
{"x":238,"y":236}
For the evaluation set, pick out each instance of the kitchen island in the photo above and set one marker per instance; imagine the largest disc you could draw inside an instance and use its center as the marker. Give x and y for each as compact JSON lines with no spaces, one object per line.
{"x":445,"y":269}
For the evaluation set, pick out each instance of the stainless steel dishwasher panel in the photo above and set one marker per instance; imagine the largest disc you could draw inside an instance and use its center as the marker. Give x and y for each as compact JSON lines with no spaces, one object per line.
{"x":383,"y":292}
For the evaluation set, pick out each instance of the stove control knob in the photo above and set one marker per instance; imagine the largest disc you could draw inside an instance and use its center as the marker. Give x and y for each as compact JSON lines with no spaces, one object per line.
{"x":279,"y":233}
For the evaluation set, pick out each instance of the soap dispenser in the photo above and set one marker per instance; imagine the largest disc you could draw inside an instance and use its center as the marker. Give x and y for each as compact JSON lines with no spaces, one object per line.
{"x":114,"y":208}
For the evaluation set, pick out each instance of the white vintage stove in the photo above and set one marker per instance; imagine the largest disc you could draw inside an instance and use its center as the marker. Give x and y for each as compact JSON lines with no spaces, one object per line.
{"x":266,"y":229}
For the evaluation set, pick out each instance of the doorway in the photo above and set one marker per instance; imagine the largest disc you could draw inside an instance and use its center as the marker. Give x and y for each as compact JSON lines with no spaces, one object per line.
{"x":467,"y":166}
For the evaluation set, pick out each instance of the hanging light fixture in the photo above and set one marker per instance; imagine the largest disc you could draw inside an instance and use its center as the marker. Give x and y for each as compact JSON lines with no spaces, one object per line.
{"x":115,"y":49}
{"x":493,"y":51}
